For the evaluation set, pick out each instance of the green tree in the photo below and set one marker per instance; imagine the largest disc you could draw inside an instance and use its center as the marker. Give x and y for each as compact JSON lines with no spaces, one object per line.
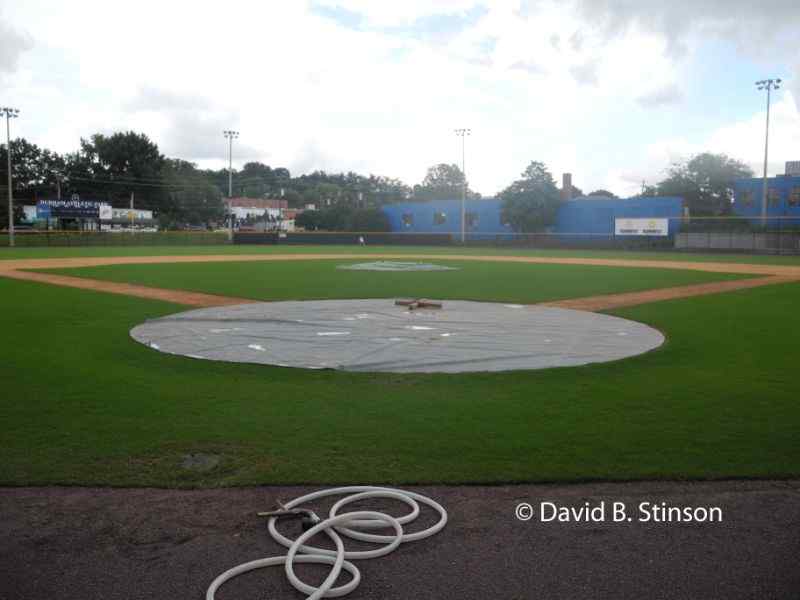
{"x":257,"y":180}
{"x":34,"y":170}
{"x":192,"y":196}
{"x":442,"y":182}
{"x":603,"y":193}
{"x":19,"y":212}
{"x":369,"y":219}
{"x":308,"y":220}
{"x":112,"y":167}
{"x":343,"y":218}
{"x":347,"y":189}
{"x":705,"y":182}
{"x":293,"y":198}
{"x":531,"y":202}
{"x":336,"y":218}
{"x":649,"y":191}
{"x":576,"y":192}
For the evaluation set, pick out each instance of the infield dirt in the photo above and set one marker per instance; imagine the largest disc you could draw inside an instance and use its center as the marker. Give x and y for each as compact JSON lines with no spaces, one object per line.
{"x":764,"y":275}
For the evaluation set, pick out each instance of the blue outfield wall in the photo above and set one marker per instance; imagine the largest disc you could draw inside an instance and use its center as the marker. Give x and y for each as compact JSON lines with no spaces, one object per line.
{"x":587,"y":215}
{"x":783,"y":202}
{"x":596,"y":214}
{"x":444,"y":216}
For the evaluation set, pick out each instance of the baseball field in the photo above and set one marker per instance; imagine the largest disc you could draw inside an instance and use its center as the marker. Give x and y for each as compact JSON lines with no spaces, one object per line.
{"x":84,"y":404}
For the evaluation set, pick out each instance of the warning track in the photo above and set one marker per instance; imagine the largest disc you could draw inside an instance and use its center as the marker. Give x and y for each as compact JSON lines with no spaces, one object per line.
{"x":25,"y":269}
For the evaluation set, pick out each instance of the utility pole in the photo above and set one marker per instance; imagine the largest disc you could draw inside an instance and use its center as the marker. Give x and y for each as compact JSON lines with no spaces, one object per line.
{"x":463,"y":133}
{"x":769,"y":85}
{"x":230,"y":135}
{"x":10,"y":113}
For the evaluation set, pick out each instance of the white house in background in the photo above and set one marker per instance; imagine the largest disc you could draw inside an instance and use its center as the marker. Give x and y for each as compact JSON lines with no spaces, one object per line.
{"x":275,"y":210}
{"x":246,"y":208}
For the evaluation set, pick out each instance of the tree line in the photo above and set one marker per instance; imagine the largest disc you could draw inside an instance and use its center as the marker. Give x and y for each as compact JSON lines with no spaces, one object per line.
{"x":705,"y":182}
{"x":128,"y":166}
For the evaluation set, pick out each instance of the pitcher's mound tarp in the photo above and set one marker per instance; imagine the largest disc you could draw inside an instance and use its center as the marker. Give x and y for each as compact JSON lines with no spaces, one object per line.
{"x":376,"y":335}
{"x":391,"y":265}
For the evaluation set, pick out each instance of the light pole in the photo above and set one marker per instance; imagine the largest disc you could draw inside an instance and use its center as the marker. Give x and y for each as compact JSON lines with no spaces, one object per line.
{"x":463,"y":133}
{"x":10,"y":113}
{"x":769,"y":85}
{"x":230,"y":135}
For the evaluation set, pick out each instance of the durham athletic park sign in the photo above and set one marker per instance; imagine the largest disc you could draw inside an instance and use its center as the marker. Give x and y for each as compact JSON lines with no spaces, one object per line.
{"x":641,"y":227}
{"x":72,"y":209}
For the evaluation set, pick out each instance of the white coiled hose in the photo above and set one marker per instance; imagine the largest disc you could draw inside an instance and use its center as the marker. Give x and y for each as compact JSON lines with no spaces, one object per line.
{"x":351,"y":525}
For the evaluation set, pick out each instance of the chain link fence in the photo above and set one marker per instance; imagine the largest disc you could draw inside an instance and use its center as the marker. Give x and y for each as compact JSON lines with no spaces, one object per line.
{"x":34,"y":238}
{"x":775,"y":235}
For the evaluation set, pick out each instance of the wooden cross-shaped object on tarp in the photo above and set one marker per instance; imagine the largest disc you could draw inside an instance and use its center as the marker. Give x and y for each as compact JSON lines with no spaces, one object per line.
{"x":416,"y":303}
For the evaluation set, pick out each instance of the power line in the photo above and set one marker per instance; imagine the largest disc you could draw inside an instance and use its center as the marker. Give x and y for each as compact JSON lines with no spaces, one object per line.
{"x":140,"y":183}
{"x":160,"y":181}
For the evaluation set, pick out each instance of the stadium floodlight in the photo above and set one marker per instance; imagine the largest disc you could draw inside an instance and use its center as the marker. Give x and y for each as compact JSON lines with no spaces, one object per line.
{"x":769,"y":85}
{"x":463,"y":133}
{"x":10,"y":113}
{"x":230,"y":135}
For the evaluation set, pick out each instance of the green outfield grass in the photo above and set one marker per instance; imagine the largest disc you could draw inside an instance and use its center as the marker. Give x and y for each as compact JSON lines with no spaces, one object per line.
{"x":16,"y":253}
{"x":320,"y":279}
{"x":83,"y":404}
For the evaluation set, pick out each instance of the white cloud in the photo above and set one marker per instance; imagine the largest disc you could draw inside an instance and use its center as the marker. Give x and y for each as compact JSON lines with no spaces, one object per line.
{"x":742,"y":140}
{"x":392,"y":14}
{"x":758,"y":26}
{"x":544,"y":80}
{"x":13,"y":44}
{"x":662,"y":96}
{"x":748,"y":136}
{"x":585,"y":73}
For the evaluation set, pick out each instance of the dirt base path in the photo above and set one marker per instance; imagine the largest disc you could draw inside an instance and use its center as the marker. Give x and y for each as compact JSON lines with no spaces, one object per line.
{"x":612,"y":301}
{"x":197,"y":299}
{"x":767,"y":275}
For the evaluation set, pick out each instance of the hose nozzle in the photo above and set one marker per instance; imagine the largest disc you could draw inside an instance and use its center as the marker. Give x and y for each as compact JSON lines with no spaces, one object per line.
{"x":308,"y":518}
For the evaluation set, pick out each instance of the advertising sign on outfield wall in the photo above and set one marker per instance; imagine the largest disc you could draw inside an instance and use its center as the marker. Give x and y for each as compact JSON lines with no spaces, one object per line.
{"x":69,"y":209}
{"x":74,"y":208}
{"x":641,"y":227}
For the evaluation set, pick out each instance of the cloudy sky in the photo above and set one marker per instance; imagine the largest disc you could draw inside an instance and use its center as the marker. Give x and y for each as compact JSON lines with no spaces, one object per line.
{"x":611,"y":90}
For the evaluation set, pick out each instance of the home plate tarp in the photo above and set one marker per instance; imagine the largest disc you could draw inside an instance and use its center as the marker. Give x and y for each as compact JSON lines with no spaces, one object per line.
{"x":377,"y":335}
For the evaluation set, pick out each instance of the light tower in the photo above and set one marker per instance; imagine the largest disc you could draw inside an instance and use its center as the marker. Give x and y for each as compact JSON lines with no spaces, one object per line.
{"x":463,"y":133}
{"x":230,"y":135}
{"x":769,"y":85}
{"x":10,"y":113}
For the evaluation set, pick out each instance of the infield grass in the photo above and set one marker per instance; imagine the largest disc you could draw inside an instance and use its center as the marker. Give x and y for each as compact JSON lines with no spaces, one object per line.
{"x":321,"y":279}
{"x":84,"y":404}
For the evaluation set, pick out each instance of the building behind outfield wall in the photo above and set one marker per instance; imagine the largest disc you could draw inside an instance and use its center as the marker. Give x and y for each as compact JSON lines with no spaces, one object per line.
{"x":583,"y":218}
{"x":783,"y":198}
{"x":748,"y":230}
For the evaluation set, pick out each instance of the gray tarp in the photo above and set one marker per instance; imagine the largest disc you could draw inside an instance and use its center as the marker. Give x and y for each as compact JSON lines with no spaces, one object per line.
{"x":376,"y":335}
